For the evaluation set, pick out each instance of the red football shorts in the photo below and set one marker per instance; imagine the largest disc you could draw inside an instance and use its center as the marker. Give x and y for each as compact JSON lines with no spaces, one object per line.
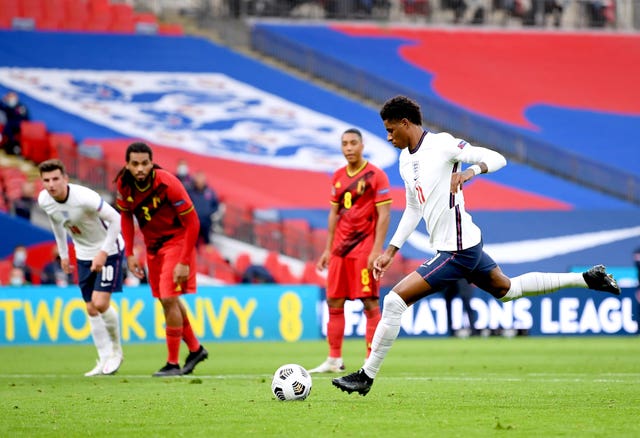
{"x":161,"y":267}
{"x":349,"y":278}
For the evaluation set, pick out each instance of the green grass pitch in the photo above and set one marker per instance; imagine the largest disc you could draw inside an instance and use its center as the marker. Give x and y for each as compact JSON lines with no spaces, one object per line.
{"x":477,"y":387}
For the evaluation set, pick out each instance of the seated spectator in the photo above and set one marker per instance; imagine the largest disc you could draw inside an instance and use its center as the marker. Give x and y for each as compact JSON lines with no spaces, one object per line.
{"x":20,"y":261}
{"x":17,"y":277}
{"x":255,"y":274}
{"x":23,"y":205}
{"x":206,"y":203}
{"x":52,"y":272}
{"x":15,"y":112}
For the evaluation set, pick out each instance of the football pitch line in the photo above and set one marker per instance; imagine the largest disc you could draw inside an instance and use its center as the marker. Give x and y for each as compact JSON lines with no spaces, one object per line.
{"x":632,"y":378}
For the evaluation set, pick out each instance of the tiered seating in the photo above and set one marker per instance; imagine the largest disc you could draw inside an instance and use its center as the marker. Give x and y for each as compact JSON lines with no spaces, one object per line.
{"x":210,"y":262}
{"x":80,"y":15}
{"x":8,"y":10}
{"x":310,"y":275}
{"x":280,"y":271}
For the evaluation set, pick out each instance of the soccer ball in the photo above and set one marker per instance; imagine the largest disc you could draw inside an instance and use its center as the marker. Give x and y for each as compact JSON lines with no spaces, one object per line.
{"x":291,"y":382}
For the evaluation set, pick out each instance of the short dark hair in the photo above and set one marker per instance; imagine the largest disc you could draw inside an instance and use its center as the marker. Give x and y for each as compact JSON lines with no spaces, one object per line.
{"x":355,"y":131}
{"x":138,"y":147}
{"x":401,"y":107}
{"x":51,"y":165}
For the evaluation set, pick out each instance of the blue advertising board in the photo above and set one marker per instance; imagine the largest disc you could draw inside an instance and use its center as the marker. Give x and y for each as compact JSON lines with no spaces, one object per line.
{"x":49,"y":314}
{"x":569,"y":312}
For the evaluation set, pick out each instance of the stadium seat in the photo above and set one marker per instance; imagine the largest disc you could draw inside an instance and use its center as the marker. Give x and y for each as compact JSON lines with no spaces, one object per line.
{"x":268,"y":235}
{"x":211,"y":254}
{"x":310,"y":275}
{"x":243,"y":261}
{"x":416,"y":7}
{"x":170,"y":29}
{"x":76,"y":15}
{"x":225,"y":272}
{"x":31,"y":8}
{"x":145,"y":23}
{"x":296,"y":240}
{"x":53,"y":15}
{"x":5,"y":271}
{"x":98,"y":7}
{"x":8,"y":10}
{"x":62,"y":145}
{"x":318,"y":242}
{"x":122,"y":19}
{"x":34,"y":141}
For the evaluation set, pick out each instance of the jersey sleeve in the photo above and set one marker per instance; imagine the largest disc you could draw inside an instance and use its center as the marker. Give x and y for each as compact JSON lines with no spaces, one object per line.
{"x":181,"y":202}
{"x":475,"y":154}
{"x":178,"y":197}
{"x":382,"y":188}
{"x":109,"y":214}
{"x":335,"y":195}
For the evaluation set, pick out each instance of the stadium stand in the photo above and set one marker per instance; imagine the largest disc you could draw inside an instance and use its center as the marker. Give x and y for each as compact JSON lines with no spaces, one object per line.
{"x":81,"y":16}
{"x":95,"y":151}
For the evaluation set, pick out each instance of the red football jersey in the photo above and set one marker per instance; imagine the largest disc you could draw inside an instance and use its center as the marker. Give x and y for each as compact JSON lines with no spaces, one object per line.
{"x":357,"y":197}
{"x":157,"y":207}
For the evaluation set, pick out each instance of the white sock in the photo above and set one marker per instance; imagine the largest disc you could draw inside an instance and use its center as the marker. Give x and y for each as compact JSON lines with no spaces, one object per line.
{"x":111,"y":321}
{"x":386,"y":332}
{"x":540,"y":283}
{"x":100,"y":336}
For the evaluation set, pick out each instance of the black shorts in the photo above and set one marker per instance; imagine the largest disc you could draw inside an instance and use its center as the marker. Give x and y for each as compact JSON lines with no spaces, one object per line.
{"x":447,"y":267}
{"x":109,"y":279}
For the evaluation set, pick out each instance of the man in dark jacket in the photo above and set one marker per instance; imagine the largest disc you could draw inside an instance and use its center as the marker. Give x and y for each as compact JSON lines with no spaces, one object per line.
{"x":206,"y":204}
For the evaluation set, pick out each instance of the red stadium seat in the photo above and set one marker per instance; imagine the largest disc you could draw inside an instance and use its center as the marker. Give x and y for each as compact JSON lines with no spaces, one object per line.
{"x":145,"y":17}
{"x":145,"y":23}
{"x":31,"y":8}
{"x":226,"y":273}
{"x":34,"y":141}
{"x":296,"y":238}
{"x":170,"y":29}
{"x":122,"y":19}
{"x":98,"y":7}
{"x":416,"y":7}
{"x":63,"y":145}
{"x":243,"y":261}
{"x":76,"y":15}
{"x":8,"y":10}
{"x":310,"y":275}
{"x":5,"y":271}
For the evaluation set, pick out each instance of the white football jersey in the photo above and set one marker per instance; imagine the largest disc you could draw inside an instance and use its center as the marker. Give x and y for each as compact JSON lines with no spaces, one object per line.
{"x":87,"y":218}
{"x":426,"y":173}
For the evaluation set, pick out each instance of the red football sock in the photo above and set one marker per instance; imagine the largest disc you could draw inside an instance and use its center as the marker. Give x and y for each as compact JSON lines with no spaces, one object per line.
{"x":188,"y":336}
{"x":174,"y":336}
{"x":335,"y":331}
{"x":373,"y":318}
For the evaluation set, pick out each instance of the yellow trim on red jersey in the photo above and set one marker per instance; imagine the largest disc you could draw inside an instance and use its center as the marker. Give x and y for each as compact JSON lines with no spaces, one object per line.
{"x":350,"y":175}
{"x":389,"y":201}
{"x":186,"y":211}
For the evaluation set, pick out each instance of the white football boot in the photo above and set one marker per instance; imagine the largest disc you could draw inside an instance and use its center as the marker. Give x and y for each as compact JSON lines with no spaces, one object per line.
{"x":97,"y":370}
{"x":112,"y":364}
{"x":331,"y":365}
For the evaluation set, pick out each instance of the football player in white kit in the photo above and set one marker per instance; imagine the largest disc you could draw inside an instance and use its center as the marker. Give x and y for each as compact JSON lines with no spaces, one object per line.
{"x":430,"y":166}
{"x":94,"y":228}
